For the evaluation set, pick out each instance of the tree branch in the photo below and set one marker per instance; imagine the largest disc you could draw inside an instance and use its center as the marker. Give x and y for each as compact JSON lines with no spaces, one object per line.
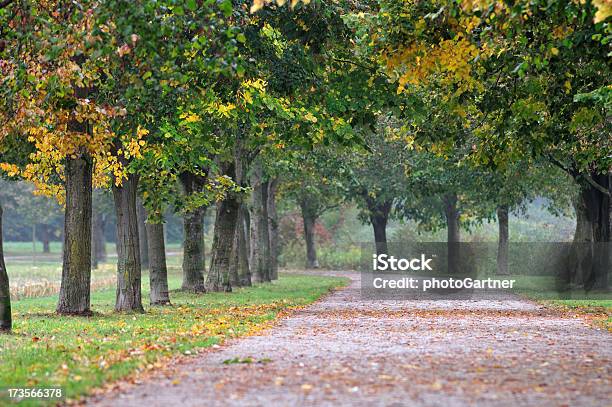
{"x":595,"y":185}
{"x":346,"y":61}
{"x":570,"y":171}
{"x":325,"y":209}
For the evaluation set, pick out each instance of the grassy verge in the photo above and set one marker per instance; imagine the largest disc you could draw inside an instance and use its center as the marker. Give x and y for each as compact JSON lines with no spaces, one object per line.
{"x":595,"y":306}
{"x":598,"y":311}
{"x":79,"y":353}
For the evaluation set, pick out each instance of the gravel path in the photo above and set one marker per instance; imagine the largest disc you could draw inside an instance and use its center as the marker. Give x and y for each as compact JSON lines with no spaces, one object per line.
{"x":349,"y":352}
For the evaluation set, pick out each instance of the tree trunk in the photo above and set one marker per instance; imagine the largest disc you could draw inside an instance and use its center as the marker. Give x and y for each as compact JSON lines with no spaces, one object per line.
{"x":379,"y":224}
{"x":580,"y":255}
{"x":44,"y":237}
{"x":74,"y":296}
{"x":597,"y":211}
{"x":158,"y":271}
{"x":239,"y":273}
{"x":6,"y":322}
{"x":309,"y":218}
{"x":218,"y":278}
{"x":379,"y":216}
{"x":260,"y":241}
{"x":453,"y":233}
{"x":193,"y":251}
{"x":234,"y":263}
{"x":98,"y":244}
{"x":273,"y":228}
{"x":193,"y":240}
{"x":264,"y":234}
{"x":242,"y":231}
{"x":129,"y":297}
{"x":142,"y":234}
{"x":502,"y":243}
{"x":33,"y":243}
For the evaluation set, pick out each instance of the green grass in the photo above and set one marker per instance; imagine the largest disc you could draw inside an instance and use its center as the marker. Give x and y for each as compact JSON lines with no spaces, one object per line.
{"x":79,"y":353}
{"x":599,"y":310}
{"x":596,"y":304}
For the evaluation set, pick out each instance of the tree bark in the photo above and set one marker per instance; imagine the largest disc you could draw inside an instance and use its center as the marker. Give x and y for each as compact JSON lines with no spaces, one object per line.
{"x":264,"y":234}
{"x":453,"y":233}
{"x":239,"y":272}
{"x":309,"y":217}
{"x":580,"y":255}
{"x":74,"y":296}
{"x":218,"y":278}
{"x":273,"y":227}
{"x":503,"y":239}
{"x":6,"y":322}
{"x":193,"y":251}
{"x":129,"y":296}
{"x":142,"y":233}
{"x":234,"y":263}
{"x":158,"y":270}
{"x":260,"y":241}
{"x":242,"y":249}
{"x":193,"y":241}
{"x":597,"y":211}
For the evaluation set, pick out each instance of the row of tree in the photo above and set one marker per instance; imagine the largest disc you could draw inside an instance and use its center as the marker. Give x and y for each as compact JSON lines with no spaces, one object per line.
{"x":400,"y":102}
{"x":139,"y":97}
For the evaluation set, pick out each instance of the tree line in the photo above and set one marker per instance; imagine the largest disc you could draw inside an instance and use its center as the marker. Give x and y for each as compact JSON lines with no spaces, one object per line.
{"x":437,"y":111}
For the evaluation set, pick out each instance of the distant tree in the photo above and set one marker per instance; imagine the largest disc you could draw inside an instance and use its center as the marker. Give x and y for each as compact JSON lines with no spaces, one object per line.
{"x":376,"y":177}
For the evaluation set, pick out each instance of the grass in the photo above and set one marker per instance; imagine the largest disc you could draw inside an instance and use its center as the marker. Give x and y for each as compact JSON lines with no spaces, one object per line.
{"x":43,"y":278}
{"x":80,"y":353}
{"x":599,"y":311}
{"x":25,"y":248}
{"x":595,"y":305}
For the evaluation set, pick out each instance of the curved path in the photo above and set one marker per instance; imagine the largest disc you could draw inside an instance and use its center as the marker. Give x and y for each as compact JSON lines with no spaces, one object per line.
{"x":348,"y":352}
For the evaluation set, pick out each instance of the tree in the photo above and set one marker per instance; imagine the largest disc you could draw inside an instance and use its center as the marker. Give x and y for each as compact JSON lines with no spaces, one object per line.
{"x":311,"y":185}
{"x":376,"y":177}
{"x":548,"y":62}
{"x":102,"y":207}
{"x":142,"y":233}
{"x":6,"y":322}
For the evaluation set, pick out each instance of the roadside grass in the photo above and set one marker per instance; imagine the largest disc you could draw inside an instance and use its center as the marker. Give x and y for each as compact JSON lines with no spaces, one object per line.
{"x":599,"y":311}
{"x":595,"y":305}
{"x":80,"y":353}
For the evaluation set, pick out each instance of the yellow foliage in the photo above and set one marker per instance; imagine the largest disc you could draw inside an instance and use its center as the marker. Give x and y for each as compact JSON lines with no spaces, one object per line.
{"x":10,"y":169}
{"x":259,"y":4}
{"x":604,"y":10}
